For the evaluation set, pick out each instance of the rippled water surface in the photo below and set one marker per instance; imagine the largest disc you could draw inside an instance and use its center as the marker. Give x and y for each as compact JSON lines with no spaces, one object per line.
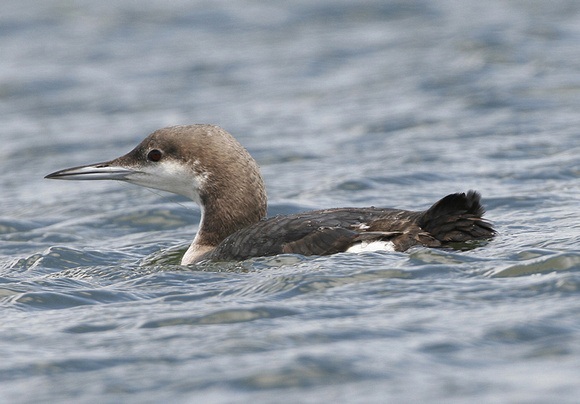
{"x":382,"y":103}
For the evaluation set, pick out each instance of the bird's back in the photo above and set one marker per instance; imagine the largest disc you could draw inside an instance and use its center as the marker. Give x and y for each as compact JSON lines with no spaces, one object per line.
{"x":455,"y":218}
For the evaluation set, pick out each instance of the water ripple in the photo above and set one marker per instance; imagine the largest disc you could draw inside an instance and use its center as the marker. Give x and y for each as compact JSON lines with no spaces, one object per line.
{"x":304,"y":370}
{"x":544,"y":263}
{"x":223,"y":317}
{"x":376,"y":102}
{"x":63,"y":257}
{"x":63,"y":300}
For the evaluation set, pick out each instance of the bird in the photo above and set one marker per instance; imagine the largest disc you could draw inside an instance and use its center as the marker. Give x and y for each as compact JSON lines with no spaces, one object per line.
{"x":208,"y":165}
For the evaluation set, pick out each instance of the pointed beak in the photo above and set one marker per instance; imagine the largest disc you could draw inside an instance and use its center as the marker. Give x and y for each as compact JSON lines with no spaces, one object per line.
{"x":99,"y":171}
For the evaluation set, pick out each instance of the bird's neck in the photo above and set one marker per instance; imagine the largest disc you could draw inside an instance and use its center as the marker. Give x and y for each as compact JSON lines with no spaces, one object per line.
{"x":226,"y":208}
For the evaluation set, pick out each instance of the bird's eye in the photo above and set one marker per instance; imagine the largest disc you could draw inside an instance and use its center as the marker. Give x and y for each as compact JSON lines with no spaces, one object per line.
{"x":154,"y":155}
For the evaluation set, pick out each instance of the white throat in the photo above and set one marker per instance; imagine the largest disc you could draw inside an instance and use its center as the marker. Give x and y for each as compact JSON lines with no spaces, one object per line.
{"x":171,"y":176}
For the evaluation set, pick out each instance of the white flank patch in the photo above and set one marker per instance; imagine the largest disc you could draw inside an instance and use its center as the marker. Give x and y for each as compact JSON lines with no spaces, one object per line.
{"x":365,"y":246}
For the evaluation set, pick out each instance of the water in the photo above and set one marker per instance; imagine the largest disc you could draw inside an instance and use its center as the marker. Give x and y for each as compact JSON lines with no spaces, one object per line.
{"x":384,"y":103}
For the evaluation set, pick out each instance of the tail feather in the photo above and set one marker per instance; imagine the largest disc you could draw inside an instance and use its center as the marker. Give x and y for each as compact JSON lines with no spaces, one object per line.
{"x":457,"y":218}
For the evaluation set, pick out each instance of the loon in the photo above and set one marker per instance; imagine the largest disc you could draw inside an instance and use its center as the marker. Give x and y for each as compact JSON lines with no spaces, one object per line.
{"x":206,"y":164}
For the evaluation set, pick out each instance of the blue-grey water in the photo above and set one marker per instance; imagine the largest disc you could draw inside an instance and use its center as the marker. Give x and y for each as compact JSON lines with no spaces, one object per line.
{"x":390,"y":103}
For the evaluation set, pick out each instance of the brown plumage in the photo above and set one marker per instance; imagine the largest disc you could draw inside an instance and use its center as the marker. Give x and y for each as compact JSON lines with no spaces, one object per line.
{"x":457,"y":218}
{"x":206,"y":164}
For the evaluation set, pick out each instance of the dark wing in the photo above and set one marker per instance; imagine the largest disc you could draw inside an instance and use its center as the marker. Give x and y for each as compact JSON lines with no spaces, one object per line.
{"x":311,"y":233}
{"x":454,"y":219}
{"x":332,"y":240}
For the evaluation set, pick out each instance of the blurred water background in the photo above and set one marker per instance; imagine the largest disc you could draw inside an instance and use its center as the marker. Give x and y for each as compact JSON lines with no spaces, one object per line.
{"x":391,"y":103}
